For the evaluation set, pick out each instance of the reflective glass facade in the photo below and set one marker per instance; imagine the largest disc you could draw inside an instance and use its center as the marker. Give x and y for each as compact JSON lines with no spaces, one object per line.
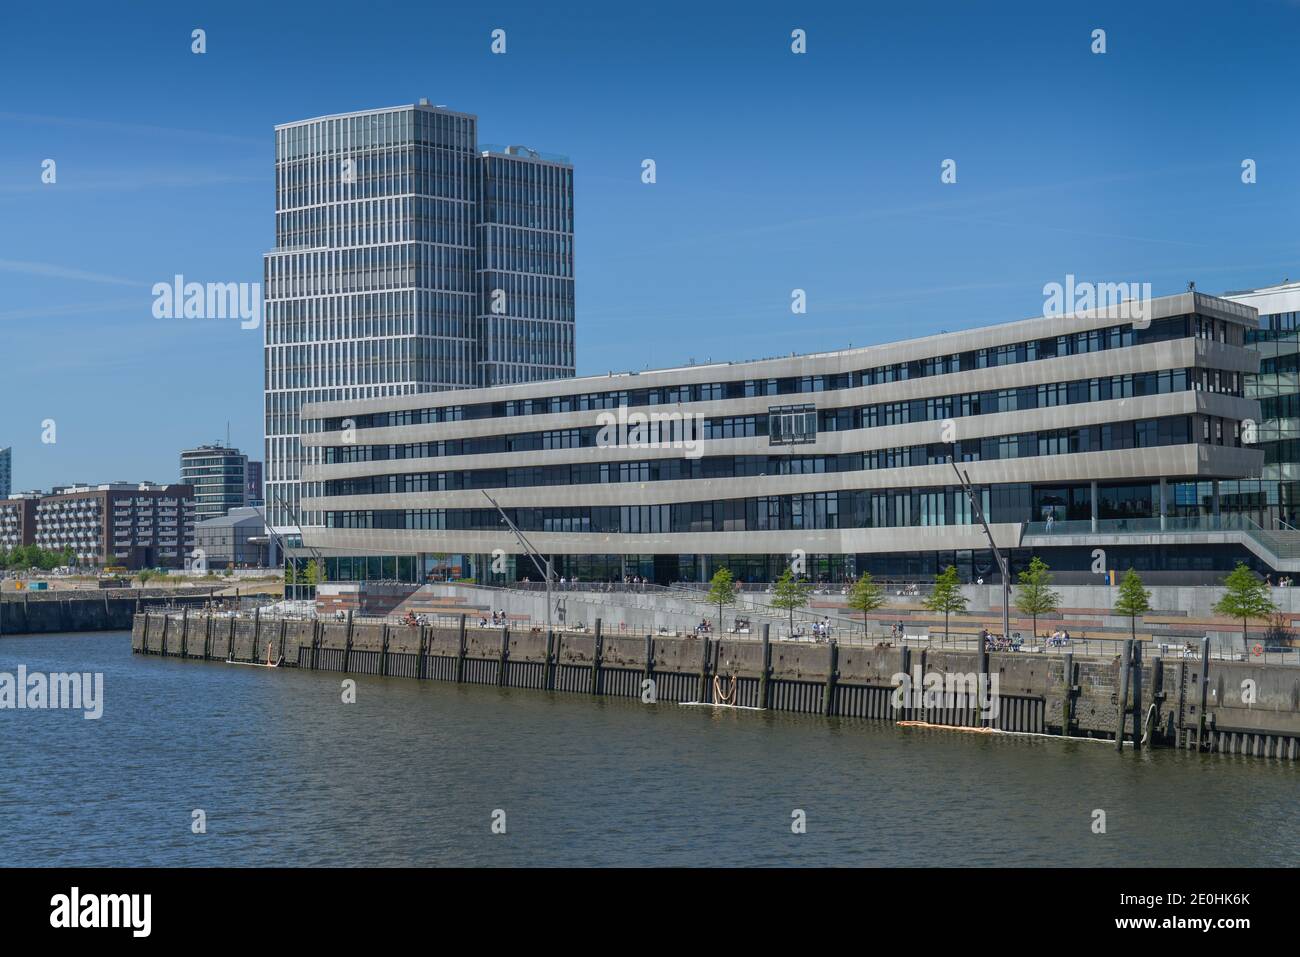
{"x":393,"y":233}
{"x":219,"y":477}
{"x":1274,"y":499}
{"x":525,"y":268}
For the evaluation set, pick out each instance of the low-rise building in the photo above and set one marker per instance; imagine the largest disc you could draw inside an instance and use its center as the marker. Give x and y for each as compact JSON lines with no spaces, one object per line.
{"x":235,"y":540}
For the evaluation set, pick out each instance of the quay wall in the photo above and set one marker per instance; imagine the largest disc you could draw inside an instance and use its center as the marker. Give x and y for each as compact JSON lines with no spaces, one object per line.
{"x":56,"y":612}
{"x":1132,"y":700}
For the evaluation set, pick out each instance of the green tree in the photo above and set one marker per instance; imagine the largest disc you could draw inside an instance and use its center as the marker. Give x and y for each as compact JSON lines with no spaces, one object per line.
{"x":311,"y":574}
{"x":866,"y":596}
{"x":290,"y":572}
{"x":790,"y":593}
{"x":1247,"y":597}
{"x":439,"y":558}
{"x":1133,"y":600}
{"x":947,"y":596}
{"x":722,"y":591}
{"x":1034,"y":595}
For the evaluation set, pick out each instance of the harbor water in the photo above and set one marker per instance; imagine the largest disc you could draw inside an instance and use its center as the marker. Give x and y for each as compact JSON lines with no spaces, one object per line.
{"x":284,"y":772}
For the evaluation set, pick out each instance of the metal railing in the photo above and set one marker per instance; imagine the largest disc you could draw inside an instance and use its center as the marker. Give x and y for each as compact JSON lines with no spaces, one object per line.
{"x":803,"y":623}
{"x":604,"y":588}
{"x":891,"y":586}
{"x":1225,"y":522}
{"x":1283,"y":544}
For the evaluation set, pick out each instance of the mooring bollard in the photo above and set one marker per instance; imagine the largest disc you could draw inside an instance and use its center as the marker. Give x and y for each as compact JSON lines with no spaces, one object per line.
{"x":460,"y":653}
{"x":832,"y":674}
{"x":1205,"y":691}
{"x":648,"y":671}
{"x":1126,"y":661}
{"x":504,"y":665}
{"x":1157,"y":695}
{"x":978,"y":720}
{"x":702,"y":692}
{"x":904,"y":713}
{"x":1136,"y":666}
{"x":1067,"y":691}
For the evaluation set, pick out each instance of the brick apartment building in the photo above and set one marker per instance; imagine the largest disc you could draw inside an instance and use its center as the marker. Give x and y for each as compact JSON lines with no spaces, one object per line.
{"x":18,"y":520}
{"x":135,"y":525}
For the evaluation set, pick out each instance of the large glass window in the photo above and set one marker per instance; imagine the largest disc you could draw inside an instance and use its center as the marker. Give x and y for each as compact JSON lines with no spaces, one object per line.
{"x":792,"y":425}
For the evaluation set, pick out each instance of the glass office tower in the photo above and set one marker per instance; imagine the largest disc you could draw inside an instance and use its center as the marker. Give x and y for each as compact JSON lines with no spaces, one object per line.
{"x":525,"y":266}
{"x":219,"y":476}
{"x":407,"y":259}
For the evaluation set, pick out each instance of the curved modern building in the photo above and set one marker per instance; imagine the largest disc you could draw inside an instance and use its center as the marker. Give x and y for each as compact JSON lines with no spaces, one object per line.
{"x":1080,"y":432}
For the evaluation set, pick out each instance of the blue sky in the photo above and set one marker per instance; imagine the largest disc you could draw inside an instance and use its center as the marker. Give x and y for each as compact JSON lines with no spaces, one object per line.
{"x":775,"y":172}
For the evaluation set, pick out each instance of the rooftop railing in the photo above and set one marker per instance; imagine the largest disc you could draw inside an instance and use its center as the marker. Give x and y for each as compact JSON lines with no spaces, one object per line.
{"x":523,"y":152}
